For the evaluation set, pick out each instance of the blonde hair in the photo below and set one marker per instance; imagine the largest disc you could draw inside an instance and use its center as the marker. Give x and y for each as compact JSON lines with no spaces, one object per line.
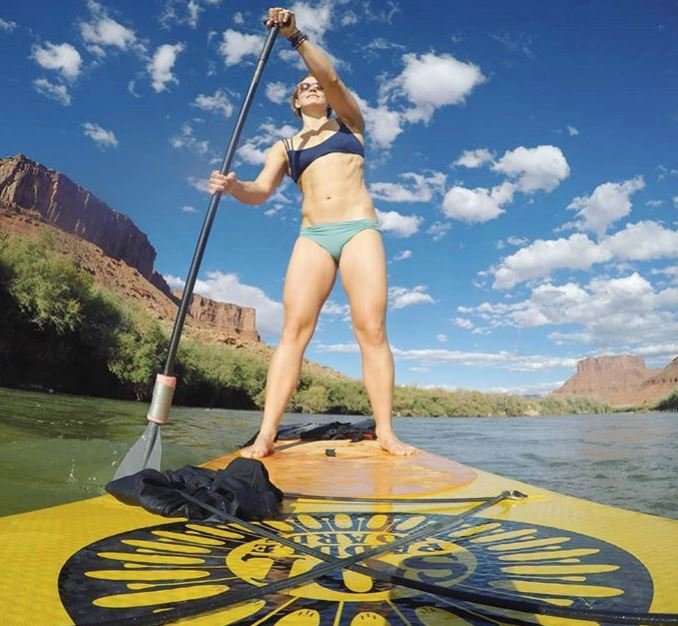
{"x":295,"y":93}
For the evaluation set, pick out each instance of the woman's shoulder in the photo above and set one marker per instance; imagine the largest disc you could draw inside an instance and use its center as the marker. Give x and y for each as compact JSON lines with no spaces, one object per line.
{"x":353,"y":129}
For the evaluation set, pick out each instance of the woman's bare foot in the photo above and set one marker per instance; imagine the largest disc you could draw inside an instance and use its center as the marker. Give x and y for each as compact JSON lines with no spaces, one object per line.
{"x":393,"y":445}
{"x":262,"y":446}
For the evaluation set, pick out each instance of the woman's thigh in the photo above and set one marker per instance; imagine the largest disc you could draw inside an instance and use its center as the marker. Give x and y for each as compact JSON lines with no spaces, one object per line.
{"x":363,"y":274}
{"x":310,"y":276}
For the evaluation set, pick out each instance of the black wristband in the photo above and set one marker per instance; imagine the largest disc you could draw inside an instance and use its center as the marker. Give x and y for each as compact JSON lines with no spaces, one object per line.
{"x":297,"y":39}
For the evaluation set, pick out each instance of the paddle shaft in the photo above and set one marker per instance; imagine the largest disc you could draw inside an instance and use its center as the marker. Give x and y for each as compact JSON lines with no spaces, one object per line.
{"x":146,"y":451}
{"x":214,"y":204}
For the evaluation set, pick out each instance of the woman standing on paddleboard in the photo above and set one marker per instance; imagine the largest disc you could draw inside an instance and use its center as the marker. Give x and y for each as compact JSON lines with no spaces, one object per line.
{"x":339,"y":231}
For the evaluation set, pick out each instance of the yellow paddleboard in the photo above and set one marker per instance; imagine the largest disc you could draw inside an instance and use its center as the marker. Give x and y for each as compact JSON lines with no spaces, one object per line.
{"x":466,"y":549}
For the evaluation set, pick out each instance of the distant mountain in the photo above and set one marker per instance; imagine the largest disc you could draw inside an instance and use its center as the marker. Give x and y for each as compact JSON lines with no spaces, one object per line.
{"x":620,"y":381}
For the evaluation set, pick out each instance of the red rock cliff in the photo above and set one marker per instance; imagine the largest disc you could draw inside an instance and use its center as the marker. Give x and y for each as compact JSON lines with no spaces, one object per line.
{"x":119,"y":256}
{"x":27,"y":185}
{"x":223,"y":316}
{"x":606,"y":378}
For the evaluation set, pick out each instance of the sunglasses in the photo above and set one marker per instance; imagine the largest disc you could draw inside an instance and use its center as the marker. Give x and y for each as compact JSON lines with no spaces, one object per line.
{"x":301,"y":87}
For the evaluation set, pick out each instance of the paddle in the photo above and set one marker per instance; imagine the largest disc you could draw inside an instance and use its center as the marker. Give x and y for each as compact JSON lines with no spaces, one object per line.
{"x":147,"y":451}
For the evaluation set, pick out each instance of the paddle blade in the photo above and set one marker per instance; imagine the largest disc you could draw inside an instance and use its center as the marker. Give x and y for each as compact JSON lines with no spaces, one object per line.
{"x":144,"y":454}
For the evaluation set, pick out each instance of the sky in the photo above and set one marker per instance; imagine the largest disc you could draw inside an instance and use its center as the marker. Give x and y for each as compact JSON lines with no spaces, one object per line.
{"x":522,"y":158}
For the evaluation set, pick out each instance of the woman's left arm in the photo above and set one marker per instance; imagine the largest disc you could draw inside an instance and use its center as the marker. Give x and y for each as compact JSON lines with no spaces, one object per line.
{"x":338,"y":96}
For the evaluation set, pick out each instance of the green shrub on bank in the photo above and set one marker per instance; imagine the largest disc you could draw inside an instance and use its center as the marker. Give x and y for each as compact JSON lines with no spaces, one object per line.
{"x":57,"y":329}
{"x":670,"y":403}
{"x":60,"y":331}
{"x":555,"y":405}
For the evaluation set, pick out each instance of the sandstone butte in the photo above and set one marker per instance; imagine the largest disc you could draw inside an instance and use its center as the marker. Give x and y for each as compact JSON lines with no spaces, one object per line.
{"x":621,"y":381}
{"x":110,"y":247}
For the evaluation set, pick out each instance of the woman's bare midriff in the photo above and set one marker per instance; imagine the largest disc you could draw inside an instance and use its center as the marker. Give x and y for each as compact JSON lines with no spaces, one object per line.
{"x":334,"y":190}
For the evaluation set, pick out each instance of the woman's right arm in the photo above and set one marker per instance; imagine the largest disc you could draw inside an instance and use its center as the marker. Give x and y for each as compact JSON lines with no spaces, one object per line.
{"x":255,"y":191}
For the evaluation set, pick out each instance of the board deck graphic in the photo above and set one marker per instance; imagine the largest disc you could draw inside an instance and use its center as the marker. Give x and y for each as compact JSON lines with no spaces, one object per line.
{"x":464,"y":554}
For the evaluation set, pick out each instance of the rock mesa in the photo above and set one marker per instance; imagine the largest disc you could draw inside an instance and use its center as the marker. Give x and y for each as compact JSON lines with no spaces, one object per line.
{"x":29,"y":186}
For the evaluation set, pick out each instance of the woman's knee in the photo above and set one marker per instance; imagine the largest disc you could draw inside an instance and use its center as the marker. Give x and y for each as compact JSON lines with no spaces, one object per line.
{"x":296,"y":331}
{"x":370,"y":333}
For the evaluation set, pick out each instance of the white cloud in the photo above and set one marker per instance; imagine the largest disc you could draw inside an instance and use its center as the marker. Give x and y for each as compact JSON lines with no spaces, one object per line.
{"x":401,"y":297}
{"x":402,"y":256}
{"x":529,"y":170}
{"x":399,"y":225}
{"x":381,"y":13}
{"x":474,"y":158}
{"x":100,"y":136}
{"x":379,"y":44}
{"x":7,"y":26}
{"x":382,"y":124}
{"x":188,"y":141}
{"x":504,"y":360}
{"x":429,"y":357}
{"x":608,"y":203}
{"x":542,"y":257}
{"x":336,"y":310}
{"x":665,"y":171}
{"x":441,"y":338}
{"x":431,"y":81}
{"x":52,"y":91}
{"x":160,"y":66}
{"x":222,"y":287}
{"x":464,"y":323}
{"x":103,"y":31}
{"x":277,"y":92}
{"x":671,"y":272}
{"x":200,"y":184}
{"x":516,"y":43}
{"x":194,"y":10}
{"x":615,"y":313}
{"x":517,"y":241}
{"x":314,"y":20}
{"x":342,"y":348}
{"x":236,"y":46}
{"x":536,"y":389}
{"x":536,"y":169}
{"x":251,"y":154}
{"x":63,"y":58}
{"x":438,"y":230}
{"x":572,"y":131}
{"x":476,"y":205}
{"x":217,"y":102}
{"x":349,"y":18}
{"x":421,"y":189}
{"x":182,"y":12}
{"x":175,"y":283}
{"x":238,"y":18}
{"x":254,"y":150}
{"x":189,"y":209}
{"x":643,"y":241}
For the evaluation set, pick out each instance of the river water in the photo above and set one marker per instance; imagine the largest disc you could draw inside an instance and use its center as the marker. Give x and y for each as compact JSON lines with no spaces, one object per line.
{"x":58,"y":448}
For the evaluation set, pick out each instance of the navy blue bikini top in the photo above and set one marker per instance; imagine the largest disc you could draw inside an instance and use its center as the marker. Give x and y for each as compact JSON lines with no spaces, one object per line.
{"x":341,"y":141}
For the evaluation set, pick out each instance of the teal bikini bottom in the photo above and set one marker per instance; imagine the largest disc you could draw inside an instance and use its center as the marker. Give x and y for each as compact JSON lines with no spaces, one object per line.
{"x":333,"y":236}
